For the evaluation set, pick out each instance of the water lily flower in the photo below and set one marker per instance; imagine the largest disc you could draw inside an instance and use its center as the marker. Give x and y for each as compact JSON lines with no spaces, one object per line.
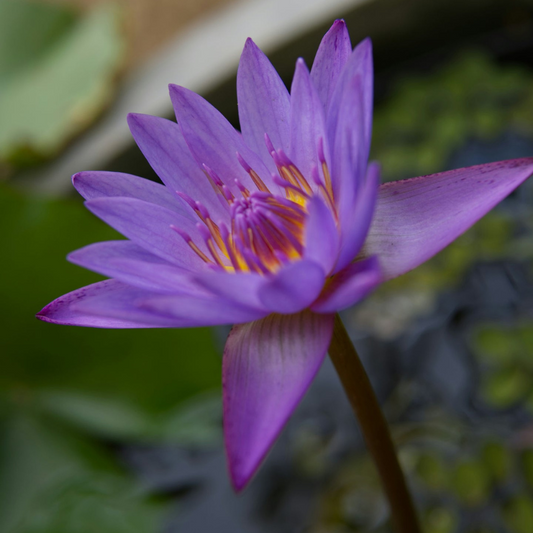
{"x":274,"y":228}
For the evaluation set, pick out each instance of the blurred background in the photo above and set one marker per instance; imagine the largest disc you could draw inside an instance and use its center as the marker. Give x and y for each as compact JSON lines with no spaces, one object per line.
{"x":120,"y":431}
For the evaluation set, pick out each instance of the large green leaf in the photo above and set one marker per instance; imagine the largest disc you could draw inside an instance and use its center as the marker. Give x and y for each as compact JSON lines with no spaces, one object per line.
{"x":51,"y":481}
{"x":56,"y":75}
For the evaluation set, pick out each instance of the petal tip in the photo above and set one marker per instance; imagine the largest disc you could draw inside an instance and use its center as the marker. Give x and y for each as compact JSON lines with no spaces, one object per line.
{"x":134,"y":119}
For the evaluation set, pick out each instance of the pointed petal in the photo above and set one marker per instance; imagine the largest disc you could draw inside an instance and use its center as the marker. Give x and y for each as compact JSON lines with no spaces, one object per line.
{"x":264,"y":104}
{"x":289,"y":290}
{"x":213,"y":141}
{"x":192,"y":311}
{"x":349,"y":124}
{"x":349,"y":286}
{"x":100,"y":184}
{"x":321,"y":242}
{"x":164,"y":147}
{"x":356,"y":222}
{"x":149,"y":226}
{"x":292,"y":288}
{"x":65,"y":311}
{"x":239,"y":287}
{"x":307,"y":122}
{"x":359,"y":66}
{"x":417,"y":218}
{"x":133,"y":265}
{"x":349,"y":153}
{"x":267,"y":367}
{"x":331,"y":57}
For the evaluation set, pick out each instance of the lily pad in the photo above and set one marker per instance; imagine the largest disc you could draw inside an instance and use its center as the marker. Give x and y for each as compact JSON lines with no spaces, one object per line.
{"x":57,"y":73}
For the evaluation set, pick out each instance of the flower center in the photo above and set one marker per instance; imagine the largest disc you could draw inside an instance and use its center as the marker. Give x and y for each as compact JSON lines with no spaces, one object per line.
{"x":266,"y":230}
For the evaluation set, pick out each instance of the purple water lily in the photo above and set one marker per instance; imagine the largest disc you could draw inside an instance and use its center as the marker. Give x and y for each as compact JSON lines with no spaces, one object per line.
{"x":274,"y":229}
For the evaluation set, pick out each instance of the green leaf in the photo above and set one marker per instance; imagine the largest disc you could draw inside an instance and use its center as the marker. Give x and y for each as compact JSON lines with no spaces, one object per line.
{"x":53,"y":482}
{"x":471,"y":482}
{"x":518,"y":514}
{"x":153,"y":369}
{"x":61,"y":90}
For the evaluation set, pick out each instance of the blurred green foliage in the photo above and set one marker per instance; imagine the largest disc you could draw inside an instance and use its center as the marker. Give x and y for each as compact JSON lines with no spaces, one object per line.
{"x":506,"y":353}
{"x":57,"y":73}
{"x":429,"y":116}
{"x":64,"y":389}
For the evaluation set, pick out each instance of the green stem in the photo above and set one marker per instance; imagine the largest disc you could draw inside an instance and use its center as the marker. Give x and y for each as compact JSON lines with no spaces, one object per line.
{"x":374,"y":427}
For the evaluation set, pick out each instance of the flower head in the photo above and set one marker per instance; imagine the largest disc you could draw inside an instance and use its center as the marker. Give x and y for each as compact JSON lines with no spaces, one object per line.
{"x":273,"y":229}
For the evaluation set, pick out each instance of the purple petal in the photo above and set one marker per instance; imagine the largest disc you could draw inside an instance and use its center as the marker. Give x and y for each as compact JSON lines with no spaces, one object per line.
{"x":214,"y":142}
{"x":307,"y":122}
{"x":267,"y":367}
{"x":240,"y":287}
{"x":359,"y":66}
{"x":133,"y":265}
{"x":100,"y":184}
{"x":349,"y":286}
{"x":150,"y":226}
{"x":164,"y":147}
{"x":417,"y":218}
{"x":333,"y":53}
{"x":349,"y":153}
{"x":194,"y":311}
{"x":65,"y":310}
{"x":356,"y":222}
{"x":264,"y":104}
{"x":292,"y":288}
{"x":321,"y":242}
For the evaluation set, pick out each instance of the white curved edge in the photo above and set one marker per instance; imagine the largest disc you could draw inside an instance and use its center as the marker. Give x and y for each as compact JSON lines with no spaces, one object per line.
{"x":199,"y":59}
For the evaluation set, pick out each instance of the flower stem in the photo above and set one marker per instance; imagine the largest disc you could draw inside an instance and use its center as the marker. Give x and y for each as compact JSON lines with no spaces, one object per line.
{"x":374,"y":427}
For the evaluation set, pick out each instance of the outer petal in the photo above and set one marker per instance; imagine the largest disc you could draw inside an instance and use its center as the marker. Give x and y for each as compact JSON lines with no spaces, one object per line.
{"x":214,"y":142}
{"x":417,"y":218}
{"x":241,"y":288}
{"x":356,"y":222}
{"x":349,"y":286}
{"x":267,"y":367}
{"x":322,"y":237}
{"x":264,"y":104}
{"x":307,"y":122}
{"x":65,"y":309}
{"x":331,"y":57}
{"x":360,"y":66}
{"x":133,"y":265}
{"x":100,"y":184}
{"x":194,"y":311}
{"x":163,"y":145}
{"x":292,"y":288}
{"x":349,"y":153}
{"x":289,"y":290}
{"x":149,"y":226}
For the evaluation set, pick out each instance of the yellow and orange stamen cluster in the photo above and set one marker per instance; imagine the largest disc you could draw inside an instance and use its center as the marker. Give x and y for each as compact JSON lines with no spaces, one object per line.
{"x":266,"y":230}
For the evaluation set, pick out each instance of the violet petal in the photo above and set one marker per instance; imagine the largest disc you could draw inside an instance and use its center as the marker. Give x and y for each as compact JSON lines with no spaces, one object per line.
{"x":292,"y":288}
{"x":321,"y":240}
{"x":150,"y":226}
{"x":214,"y":142}
{"x":65,"y":309}
{"x":131,"y":264}
{"x":101,"y":184}
{"x":264,"y":103}
{"x":331,"y":57}
{"x":356,"y":222}
{"x":164,"y":147}
{"x":349,"y":286}
{"x":308,"y":125}
{"x":267,"y":367}
{"x":418,"y":217}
